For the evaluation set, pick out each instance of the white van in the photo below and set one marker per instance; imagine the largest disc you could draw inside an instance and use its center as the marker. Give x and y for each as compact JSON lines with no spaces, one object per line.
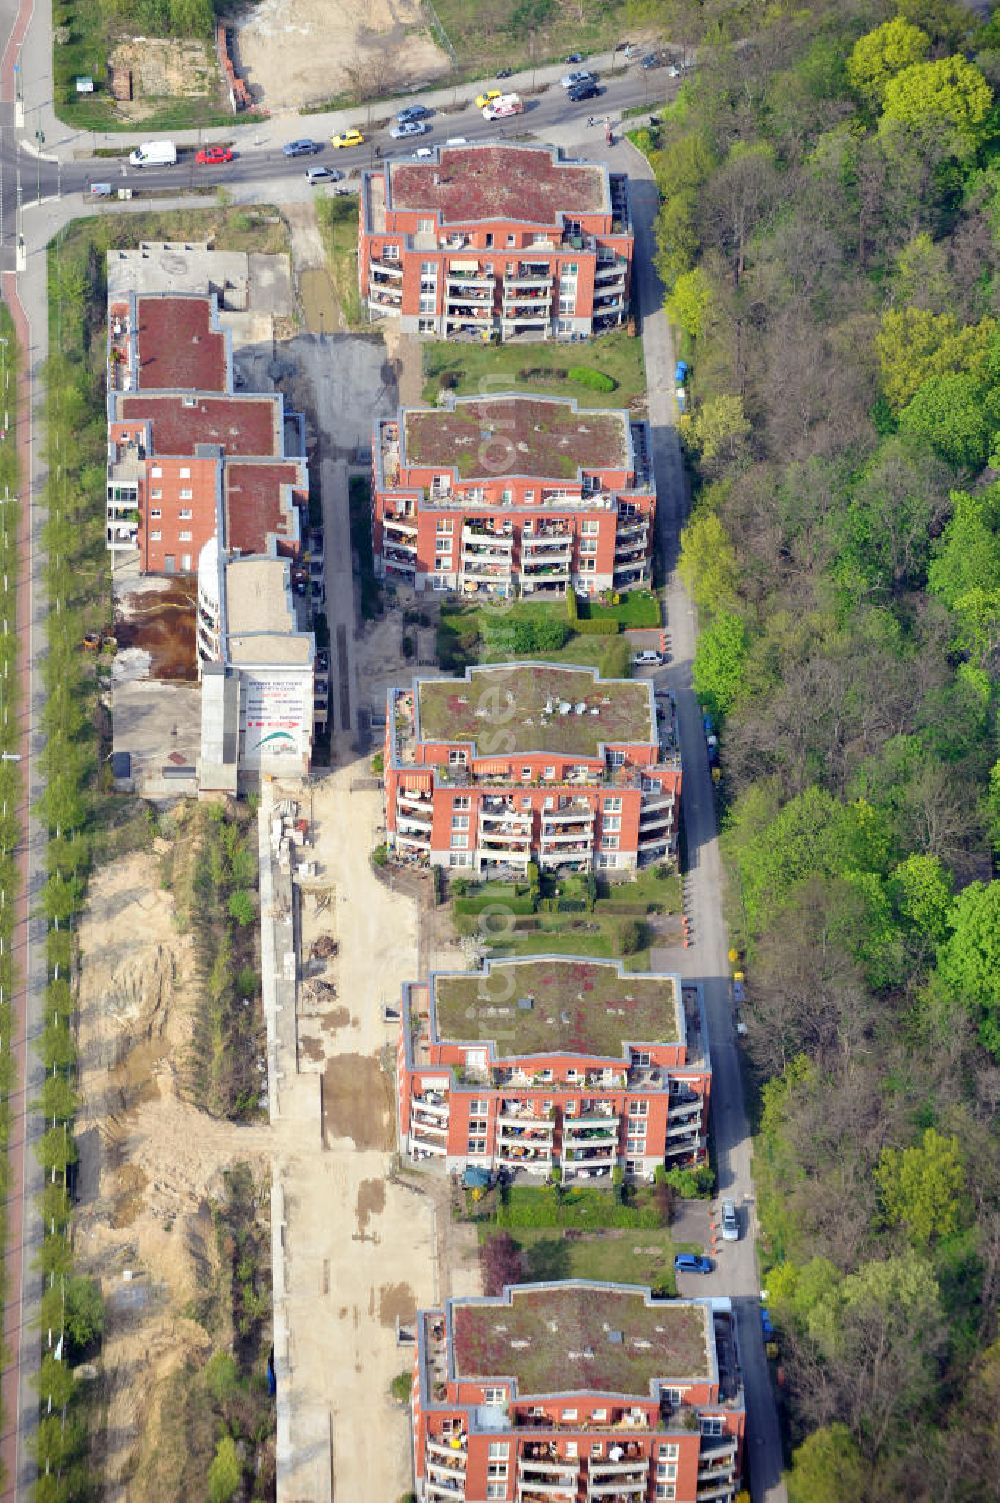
{"x":154,"y":154}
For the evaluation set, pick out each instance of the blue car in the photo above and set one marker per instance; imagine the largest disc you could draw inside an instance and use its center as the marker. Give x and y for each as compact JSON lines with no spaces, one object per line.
{"x":303,"y":148}
{"x":689,"y":1262}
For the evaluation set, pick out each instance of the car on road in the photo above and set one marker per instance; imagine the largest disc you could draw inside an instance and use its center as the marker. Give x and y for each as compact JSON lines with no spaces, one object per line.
{"x":573,"y":80}
{"x":352,"y":137}
{"x":301,"y":148}
{"x":503,"y":72}
{"x":213,"y":156}
{"x":316,"y":175}
{"x":487,"y":97}
{"x":652,"y":60}
{"x":408,"y":128}
{"x":730,"y":1224}
{"x":413,"y":112}
{"x":574,"y":57}
{"x":689,"y":1262}
{"x":423,"y":153}
{"x":648,"y":658}
{"x":588,"y":90}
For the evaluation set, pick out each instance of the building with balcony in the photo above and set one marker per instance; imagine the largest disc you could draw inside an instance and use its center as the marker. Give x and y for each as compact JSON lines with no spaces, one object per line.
{"x":513,"y":495}
{"x":207,"y":481}
{"x":181,"y":440}
{"x":483,"y":240}
{"x":578,"y":1392}
{"x":554,"y":1062}
{"x":526,"y":762}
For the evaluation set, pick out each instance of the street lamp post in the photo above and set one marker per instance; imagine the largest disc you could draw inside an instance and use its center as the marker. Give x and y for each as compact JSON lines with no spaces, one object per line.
{"x":39,"y":142}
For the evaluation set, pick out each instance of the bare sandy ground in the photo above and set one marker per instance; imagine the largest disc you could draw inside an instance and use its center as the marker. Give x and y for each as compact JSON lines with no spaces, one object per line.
{"x":295,"y":52}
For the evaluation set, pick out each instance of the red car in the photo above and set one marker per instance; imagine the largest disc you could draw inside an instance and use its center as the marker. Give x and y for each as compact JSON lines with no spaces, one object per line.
{"x":213,"y":156}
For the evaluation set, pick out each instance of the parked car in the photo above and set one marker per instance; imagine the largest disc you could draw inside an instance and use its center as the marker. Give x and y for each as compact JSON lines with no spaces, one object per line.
{"x":648,"y":658}
{"x":302,"y":148}
{"x":457,"y":141}
{"x":652,"y":60}
{"x":574,"y":57}
{"x":487,"y":97}
{"x":689,"y":1262}
{"x":413,"y":112}
{"x":572,"y":80}
{"x":423,"y":153}
{"x":316,"y":175}
{"x":589,"y":90}
{"x":213,"y":156}
{"x":503,"y":72}
{"x":352,"y":137}
{"x":408,"y":128}
{"x":730,"y":1224}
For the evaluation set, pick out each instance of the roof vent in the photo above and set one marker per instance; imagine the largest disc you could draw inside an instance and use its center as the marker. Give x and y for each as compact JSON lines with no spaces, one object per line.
{"x":525,"y":1003}
{"x":616,"y":1338}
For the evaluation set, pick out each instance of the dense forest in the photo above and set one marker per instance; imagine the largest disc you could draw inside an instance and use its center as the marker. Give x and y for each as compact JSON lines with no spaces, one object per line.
{"x":830,"y":240}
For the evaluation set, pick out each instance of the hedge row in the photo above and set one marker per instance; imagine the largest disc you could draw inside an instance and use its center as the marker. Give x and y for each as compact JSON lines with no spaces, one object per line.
{"x":75,"y":574}
{"x":10,"y":772}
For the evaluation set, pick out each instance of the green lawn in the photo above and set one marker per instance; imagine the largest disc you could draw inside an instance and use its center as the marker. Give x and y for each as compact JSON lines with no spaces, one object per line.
{"x":471,"y":368}
{"x":599,"y":935}
{"x":470,"y":634}
{"x":487,"y":34}
{"x":637,"y":1256}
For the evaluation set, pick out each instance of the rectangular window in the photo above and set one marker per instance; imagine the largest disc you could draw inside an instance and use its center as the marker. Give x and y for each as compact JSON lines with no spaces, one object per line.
{"x":569,"y":269}
{"x":445,"y":524}
{"x":444,"y":544}
{"x":591,"y":525}
{"x":428,"y":268}
{"x":588,"y":565}
{"x":526,"y":772}
{"x":185,"y":513}
{"x":186,"y":495}
{"x":476,"y":1145}
{"x":499,"y":1450}
{"x":494,"y":1395}
{"x":550,"y":772}
{"x":184,"y":536}
{"x":456,"y":757}
{"x":390,"y":252}
{"x":425,"y":326}
{"x":428,"y":302}
{"x":460,"y":821}
{"x":612,"y":822}
{"x":529,"y":497}
{"x":157,"y":472}
{"x":511,"y":239}
{"x":184,"y":472}
{"x":157,"y":495}
{"x":459,"y":842}
{"x":568,"y":1414}
{"x":156,"y":537}
{"x":639,"y":1109}
{"x":612,"y":805}
{"x":425,"y":226}
{"x":462,"y":802}
{"x":588,"y":545}
{"x":496,"y":1489}
{"x":480,"y":1107}
{"x":156,"y":512}
{"x":712,"y":1425}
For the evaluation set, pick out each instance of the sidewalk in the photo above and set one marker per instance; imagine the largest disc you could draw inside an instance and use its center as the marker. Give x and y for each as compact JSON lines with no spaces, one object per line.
{"x":65,"y":142}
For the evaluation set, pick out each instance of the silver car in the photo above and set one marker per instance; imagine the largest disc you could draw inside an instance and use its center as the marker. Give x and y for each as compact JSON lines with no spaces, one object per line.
{"x":730,"y":1223}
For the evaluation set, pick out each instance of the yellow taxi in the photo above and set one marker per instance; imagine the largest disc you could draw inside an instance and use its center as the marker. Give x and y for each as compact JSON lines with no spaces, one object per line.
{"x":348,"y":138}
{"x":482,"y":100}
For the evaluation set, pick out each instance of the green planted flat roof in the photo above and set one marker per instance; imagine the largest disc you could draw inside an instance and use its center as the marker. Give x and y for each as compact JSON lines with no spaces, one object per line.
{"x":543,"y":437}
{"x":573,"y":1337}
{"x":525,"y":707}
{"x":577,"y":1006}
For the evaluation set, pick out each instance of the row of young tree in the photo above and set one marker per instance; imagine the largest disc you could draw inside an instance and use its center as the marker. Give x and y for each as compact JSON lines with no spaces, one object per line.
{"x":830,"y":241}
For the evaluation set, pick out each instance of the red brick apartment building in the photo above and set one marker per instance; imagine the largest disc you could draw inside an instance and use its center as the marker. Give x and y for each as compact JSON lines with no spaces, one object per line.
{"x":485,"y":240}
{"x":189,"y":459}
{"x":513,"y":495}
{"x":554,"y":1063}
{"x":529,"y":762}
{"x":578,"y":1392}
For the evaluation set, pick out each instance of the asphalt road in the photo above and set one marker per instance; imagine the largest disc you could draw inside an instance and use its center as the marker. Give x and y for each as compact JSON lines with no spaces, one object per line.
{"x":259,"y":155}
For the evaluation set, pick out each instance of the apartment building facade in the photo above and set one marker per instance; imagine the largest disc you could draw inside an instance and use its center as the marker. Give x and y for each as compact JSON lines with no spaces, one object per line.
{"x":577,"y":1392}
{"x":513,"y":495}
{"x":187,"y":454}
{"x":496,"y":240}
{"x":530,"y":762}
{"x":554,"y":1063}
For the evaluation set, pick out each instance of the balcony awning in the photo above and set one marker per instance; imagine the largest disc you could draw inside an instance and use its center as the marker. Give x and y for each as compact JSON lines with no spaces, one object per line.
{"x":491,"y":769}
{"x":463,"y":265}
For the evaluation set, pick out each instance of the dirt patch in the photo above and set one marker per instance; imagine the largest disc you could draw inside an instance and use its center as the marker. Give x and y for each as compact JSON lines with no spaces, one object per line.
{"x":356,"y":1102}
{"x":340,"y":1017}
{"x":295,"y":52}
{"x":320,"y":308}
{"x":311,"y":1048}
{"x":370,"y":1201}
{"x":151,"y":1165}
{"x":164,"y":68}
{"x":396,"y":1302}
{"x":161,"y":622}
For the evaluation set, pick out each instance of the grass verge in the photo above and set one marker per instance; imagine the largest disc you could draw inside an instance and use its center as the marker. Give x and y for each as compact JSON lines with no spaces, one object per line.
{"x":338,"y":227}
{"x":472,"y":369}
{"x":484,"y":35}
